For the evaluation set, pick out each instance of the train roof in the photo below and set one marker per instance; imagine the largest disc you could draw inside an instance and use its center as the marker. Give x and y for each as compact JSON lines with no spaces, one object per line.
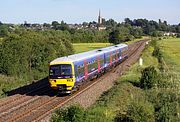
{"x":89,"y":54}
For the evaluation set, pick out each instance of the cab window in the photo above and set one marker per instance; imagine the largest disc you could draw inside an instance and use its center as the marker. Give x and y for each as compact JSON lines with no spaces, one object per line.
{"x":60,"y":70}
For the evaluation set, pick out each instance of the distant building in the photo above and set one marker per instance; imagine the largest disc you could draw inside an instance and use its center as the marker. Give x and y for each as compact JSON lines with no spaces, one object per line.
{"x":99,"y":18}
{"x":100,"y":25}
{"x":36,"y":26}
{"x":169,"y":34}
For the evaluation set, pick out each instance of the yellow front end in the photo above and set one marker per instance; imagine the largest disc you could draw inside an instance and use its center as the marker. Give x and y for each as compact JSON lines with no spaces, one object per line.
{"x":63,"y":84}
{"x":57,"y":83}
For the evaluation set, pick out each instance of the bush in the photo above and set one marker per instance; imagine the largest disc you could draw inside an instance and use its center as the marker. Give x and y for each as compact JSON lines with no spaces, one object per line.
{"x":178,"y":35}
{"x":149,"y":77}
{"x":153,"y":43}
{"x":137,"y":111}
{"x":166,"y":104}
{"x":158,"y":54}
{"x":71,"y":114}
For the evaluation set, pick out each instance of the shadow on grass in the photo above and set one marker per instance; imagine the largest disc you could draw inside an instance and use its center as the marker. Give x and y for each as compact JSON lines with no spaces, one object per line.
{"x":39,"y":88}
{"x":135,"y":83}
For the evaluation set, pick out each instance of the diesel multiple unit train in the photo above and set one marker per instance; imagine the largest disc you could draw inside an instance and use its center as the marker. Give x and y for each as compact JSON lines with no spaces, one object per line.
{"x":67,"y":73}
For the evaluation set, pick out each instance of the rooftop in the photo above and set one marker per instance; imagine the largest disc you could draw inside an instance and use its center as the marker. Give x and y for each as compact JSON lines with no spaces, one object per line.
{"x":89,"y":54}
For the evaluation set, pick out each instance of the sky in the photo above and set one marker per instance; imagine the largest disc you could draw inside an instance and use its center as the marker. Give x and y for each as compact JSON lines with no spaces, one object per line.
{"x":78,"y":11}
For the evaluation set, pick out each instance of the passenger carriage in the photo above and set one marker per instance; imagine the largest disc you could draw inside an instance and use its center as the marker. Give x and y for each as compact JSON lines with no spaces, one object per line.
{"x":67,"y":73}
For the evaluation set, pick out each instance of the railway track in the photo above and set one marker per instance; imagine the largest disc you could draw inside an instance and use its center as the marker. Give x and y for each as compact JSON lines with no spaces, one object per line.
{"x":20,"y":103}
{"x":35,"y":108}
{"x":18,"y":97}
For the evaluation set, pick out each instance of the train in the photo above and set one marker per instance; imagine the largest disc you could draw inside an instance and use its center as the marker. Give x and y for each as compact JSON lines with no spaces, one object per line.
{"x":67,"y":73}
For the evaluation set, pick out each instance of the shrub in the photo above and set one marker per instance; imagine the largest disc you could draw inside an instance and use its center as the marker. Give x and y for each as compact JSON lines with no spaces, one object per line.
{"x":166,"y":104}
{"x":153,"y":43}
{"x":158,"y":54}
{"x":178,"y":35}
{"x":73,"y":113}
{"x":149,"y":77}
{"x":137,"y":111}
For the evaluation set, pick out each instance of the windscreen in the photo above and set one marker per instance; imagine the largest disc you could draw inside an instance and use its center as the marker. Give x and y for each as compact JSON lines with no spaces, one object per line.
{"x":60,"y":71}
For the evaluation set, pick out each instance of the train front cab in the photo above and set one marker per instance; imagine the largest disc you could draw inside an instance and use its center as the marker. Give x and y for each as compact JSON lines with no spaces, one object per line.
{"x":61,"y":76}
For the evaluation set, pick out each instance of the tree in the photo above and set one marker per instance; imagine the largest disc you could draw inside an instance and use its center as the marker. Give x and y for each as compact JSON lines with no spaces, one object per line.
{"x":178,"y":35}
{"x":27,"y":55}
{"x":140,"y":22}
{"x":178,"y":29}
{"x":149,"y":77}
{"x":55,"y":25}
{"x":111,"y":23}
{"x":47,"y":25}
{"x":63,"y":26}
{"x":114,"y":37}
{"x":4,"y":30}
{"x":85,"y":24}
{"x":128,"y":21}
{"x":1,"y":23}
{"x":136,"y":32}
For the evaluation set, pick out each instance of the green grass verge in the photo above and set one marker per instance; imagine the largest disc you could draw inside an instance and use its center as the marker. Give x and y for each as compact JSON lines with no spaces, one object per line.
{"x":171,"y":49}
{"x":171,"y":53}
{"x":8,"y":83}
{"x":83,"y":47}
{"x":135,"y":40}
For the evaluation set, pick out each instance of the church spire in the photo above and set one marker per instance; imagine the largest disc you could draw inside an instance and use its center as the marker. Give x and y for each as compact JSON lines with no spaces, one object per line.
{"x":99,"y":18}
{"x":99,"y":13}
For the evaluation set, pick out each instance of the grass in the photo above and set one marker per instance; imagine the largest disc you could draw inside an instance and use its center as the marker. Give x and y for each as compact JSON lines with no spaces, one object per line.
{"x":171,"y":50}
{"x":134,"y":73}
{"x":1,"y":40}
{"x":83,"y":47}
{"x":135,"y":40}
{"x":171,"y":53}
{"x":114,"y":101}
{"x":8,"y":83}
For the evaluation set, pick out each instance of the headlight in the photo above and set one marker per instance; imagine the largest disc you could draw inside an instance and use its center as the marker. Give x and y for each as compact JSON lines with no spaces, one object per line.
{"x":69,"y":80}
{"x":53,"y":81}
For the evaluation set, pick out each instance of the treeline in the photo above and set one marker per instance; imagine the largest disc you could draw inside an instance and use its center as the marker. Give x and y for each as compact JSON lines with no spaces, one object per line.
{"x":152,"y":25}
{"x":26,"y":54}
{"x":73,"y":35}
{"x":130,"y":29}
{"x":115,"y":32}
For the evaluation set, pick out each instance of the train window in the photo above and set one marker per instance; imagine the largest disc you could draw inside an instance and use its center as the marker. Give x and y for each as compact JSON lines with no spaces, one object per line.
{"x":102,"y":61}
{"x":61,"y":70}
{"x":92,"y":66}
{"x":80,"y":70}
